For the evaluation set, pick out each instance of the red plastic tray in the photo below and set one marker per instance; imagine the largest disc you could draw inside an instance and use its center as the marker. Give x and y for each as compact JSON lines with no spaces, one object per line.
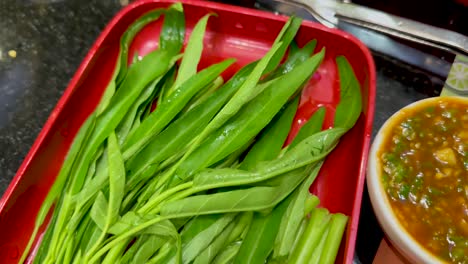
{"x":236,"y":32}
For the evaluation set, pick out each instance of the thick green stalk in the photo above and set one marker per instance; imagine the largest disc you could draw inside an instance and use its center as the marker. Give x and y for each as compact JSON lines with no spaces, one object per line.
{"x":318,"y":251}
{"x":317,"y":225}
{"x":335,"y":235}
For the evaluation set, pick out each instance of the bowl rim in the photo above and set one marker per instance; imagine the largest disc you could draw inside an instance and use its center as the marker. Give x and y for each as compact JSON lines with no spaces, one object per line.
{"x":394,"y":230}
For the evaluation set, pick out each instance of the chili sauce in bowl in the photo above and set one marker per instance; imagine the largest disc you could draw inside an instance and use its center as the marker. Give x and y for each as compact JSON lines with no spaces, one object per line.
{"x":418,"y":180}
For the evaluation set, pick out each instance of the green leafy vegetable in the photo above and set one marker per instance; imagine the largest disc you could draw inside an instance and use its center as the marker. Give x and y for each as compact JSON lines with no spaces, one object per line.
{"x":311,"y":236}
{"x":333,"y":238}
{"x":193,"y":51}
{"x":292,"y":219}
{"x":56,"y":190}
{"x":350,"y":105}
{"x":260,"y":238}
{"x":249,"y":120}
{"x":272,"y":139}
{"x":210,"y":252}
{"x":312,"y":126}
{"x":157,"y":120}
{"x":177,"y":166}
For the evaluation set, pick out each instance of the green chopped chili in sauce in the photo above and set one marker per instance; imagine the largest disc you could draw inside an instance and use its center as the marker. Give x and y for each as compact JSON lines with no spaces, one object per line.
{"x":425,"y":173}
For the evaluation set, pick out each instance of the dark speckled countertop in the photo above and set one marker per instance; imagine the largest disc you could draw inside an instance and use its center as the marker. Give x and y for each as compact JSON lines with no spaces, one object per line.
{"x":42,"y":43}
{"x":49,"y":39}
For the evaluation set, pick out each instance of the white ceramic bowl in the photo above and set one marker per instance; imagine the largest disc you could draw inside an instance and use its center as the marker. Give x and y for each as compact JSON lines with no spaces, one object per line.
{"x":394,"y":231}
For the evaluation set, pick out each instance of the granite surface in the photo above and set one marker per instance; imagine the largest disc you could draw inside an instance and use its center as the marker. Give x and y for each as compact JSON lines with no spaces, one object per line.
{"x":42,"y":43}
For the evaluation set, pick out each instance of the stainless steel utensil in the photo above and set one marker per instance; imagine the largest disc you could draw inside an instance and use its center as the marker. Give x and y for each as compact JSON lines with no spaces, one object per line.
{"x":332,"y":11}
{"x":376,"y":29}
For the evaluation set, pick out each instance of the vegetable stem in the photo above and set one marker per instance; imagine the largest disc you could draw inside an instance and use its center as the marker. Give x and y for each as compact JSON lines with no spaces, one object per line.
{"x":311,"y":237}
{"x":123,"y":236}
{"x":337,"y":226}
{"x":161,"y":197}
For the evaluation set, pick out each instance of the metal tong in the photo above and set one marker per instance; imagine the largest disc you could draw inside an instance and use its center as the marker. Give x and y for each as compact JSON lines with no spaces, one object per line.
{"x":374,"y":28}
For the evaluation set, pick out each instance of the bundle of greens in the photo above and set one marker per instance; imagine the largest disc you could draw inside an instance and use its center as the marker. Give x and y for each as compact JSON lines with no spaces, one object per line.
{"x":204,"y":177}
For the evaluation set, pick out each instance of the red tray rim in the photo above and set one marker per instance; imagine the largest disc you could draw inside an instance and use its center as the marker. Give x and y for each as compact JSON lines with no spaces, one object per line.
{"x":355,"y":215}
